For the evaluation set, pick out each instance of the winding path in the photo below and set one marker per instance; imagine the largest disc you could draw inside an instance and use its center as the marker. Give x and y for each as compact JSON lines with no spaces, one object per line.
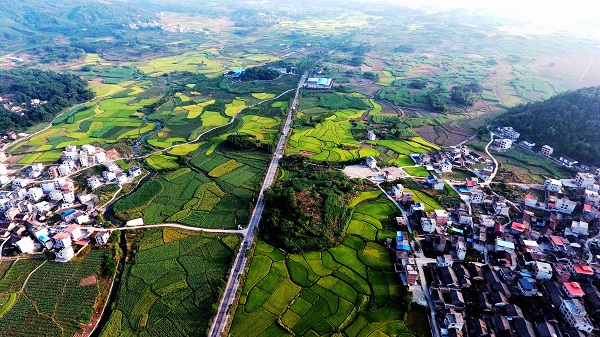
{"x":487,"y":150}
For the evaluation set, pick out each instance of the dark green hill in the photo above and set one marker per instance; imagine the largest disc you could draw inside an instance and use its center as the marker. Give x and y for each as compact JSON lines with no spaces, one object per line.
{"x":569,"y":122}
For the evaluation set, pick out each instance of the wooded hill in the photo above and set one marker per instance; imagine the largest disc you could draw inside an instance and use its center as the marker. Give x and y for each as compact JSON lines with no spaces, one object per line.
{"x":569,"y":122}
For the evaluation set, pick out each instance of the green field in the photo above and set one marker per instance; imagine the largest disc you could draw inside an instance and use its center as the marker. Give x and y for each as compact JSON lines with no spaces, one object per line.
{"x":54,"y":290}
{"x":171,"y":285}
{"x":351,"y":288}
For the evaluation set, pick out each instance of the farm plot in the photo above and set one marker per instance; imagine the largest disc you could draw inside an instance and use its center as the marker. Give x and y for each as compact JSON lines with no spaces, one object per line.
{"x":351,"y":288}
{"x":216,"y":193}
{"x":54,"y":290}
{"x":172,"y":284}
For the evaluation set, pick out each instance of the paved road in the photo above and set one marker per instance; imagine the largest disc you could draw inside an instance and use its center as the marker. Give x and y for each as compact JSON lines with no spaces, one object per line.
{"x":173,"y":225}
{"x":221,"y":319}
{"x":487,"y":150}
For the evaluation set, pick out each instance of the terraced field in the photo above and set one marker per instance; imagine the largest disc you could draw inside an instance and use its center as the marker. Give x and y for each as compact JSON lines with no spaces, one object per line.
{"x":351,"y":288}
{"x":171,"y":284}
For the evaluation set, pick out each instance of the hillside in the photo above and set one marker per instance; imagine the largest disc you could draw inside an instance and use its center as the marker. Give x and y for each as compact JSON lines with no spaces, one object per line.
{"x":569,"y":122}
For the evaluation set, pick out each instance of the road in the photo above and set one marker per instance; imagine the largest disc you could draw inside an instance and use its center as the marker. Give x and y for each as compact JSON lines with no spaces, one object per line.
{"x":172,"y":225}
{"x":487,"y":150}
{"x":587,"y":245}
{"x":222,"y":317}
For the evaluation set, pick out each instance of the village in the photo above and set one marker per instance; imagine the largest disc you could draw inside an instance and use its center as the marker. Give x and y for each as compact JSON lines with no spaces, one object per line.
{"x":52,"y":207}
{"x":492,"y":266}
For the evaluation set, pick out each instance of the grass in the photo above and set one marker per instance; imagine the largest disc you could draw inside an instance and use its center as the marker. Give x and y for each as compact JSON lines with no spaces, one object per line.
{"x":351,"y":288}
{"x":418,"y":171}
{"x":172,"y":284}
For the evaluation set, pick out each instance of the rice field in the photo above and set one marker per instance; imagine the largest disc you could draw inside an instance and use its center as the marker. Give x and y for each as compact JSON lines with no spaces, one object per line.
{"x":350,"y":289}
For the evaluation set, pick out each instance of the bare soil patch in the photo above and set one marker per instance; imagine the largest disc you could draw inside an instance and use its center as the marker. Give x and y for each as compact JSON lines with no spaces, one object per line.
{"x":86,"y":281}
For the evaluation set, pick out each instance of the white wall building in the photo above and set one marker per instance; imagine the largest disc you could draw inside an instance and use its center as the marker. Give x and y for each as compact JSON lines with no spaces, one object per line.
{"x":26,"y":245}
{"x":584,"y":180}
{"x":574,"y":312}
{"x":35,"y":194}
{"x":552,"y":185}
{"x":547,"y":150}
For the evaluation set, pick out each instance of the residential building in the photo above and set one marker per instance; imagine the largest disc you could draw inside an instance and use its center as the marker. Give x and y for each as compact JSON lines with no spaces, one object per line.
{"x":518,"y":228}
{"x":574,"y":313}
{"x":53,"y":171}
{"x":453,"y":320}
{"x":547,"y":150}
{"x":435,"y":183}
{"x":69,"y":156}
{"x":416,"y":207}
{"x":102,"y":237}
{"x":445,"y":260}
{"x":441,"y":217}
{"x":527,"y":145}
{"x":461,"y":249}
{"x":565,"y":205}
{"x":3,"y":170}
{"x":84,"y":160}
{"x":88,"y":149}
{"x":371,"y":135}
{"x":503,"y":245}
{"x":4,"y":179}
{"x":121,"y":178}
{"x":561,"y":272}
{"x":11,"y":213}
{"x":501,"y":208}
{"x":81,"y":218}
{"x":65,"y":254}
{"x":552,"y":185}
{"x":580,"y":271}
{"x":26,"y":245}
{"x":94,"y":182}
{"x":503,"y":144}
{"x":56,"y":195}
{"x":3,"y":156}
{"x":477,"y":197}
{"x":584,"y":180}
{"x":573,"y":289}
{"x":135,"y":171}
{"x":112,"y":167}
{"x":428,"y":225}
{"x":568,"y":162}
{"x":579,"y":227}
{"x":591,"y":197}
{"x":509,"y":133}
{"x":58,"y":182}
{"x":99,"y":158}
{"x":397,"y":191}
{"x":109,"y":176}
{"x":543,"y":270}
{"x":62,"y":240}
{"x":71,"y":148}
{"x":69,"y":197}
{"x":76,"y":232}
{"x":445,"y":167}
{"x":35,"y":194}
{"x":527,"y":286}
{"x":42,"y":207}
{"x":21,"y":182}
{"x":64,"y":170}
{"x":371,"y":162}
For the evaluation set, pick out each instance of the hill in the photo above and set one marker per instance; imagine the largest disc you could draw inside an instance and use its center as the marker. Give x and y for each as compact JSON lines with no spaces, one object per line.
{"x":569,"y":122}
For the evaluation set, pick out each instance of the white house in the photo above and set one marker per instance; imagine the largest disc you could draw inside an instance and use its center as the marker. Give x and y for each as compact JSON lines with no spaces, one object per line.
{"x":109,"y":176}
{"x":88,"y":149}
{"x":445,"y":167}
{"x":62,"y":240}
{"x":84,"y":160}
{"x":71,"y":148}
{"x":428,"y":225}
{"x":64,"y":170}
{"x":503,"y":245}
{"x":584,"y":180}
{"x":552,"y":185}
{"x":102,"y":237}
{"x":2,"y":156}
{"x":26,"y":245}
{"x":547,"y":150}
{"x":543,"y":270}
{"x":565,"y":205}
{"x":135,"y":171}
{"x":99,"y":158}
{"x":84,"y":198}
{"x":135,"y":222}
{"x":42,"y":207}
{"x":56,"y":195}
{"x":574,"y":312}
{"x":76,"y":232}
{"x":371,"y":162}
{"x":509,"y":132}
{"x":503,"y":144}
{"x":81,"y":218}
{"x":69,"y":197}
{"x":21,"y":182}
{"x":579,"y":227}
{"x":112,"y":167}
{"x":69,"y":156}
{"x":397,"y":191}
{"x":65,"y":254}
{"x":591,"y":197}
{"x":35,"y":194}
{"x":3,"y":170}
{"x":371,"y":135}
{"x":94,"y":183}
{"x":58,"y":182}
{"x":121,"y":178}
{"x":4,"y":179}
{"x":477,"y":197}
{"x":568,"y":162}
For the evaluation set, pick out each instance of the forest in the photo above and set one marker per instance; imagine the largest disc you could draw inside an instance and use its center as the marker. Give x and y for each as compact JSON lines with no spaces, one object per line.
{"x":18,"y":87}
{"x":568,"y":122}
{"x":311,"y":210}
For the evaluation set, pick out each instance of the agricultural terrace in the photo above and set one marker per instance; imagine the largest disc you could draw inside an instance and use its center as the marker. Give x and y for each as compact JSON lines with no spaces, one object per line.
{"x":332,"y":127}
{"x":522,"y":166}
{"x":58,"y":298}
{"x":170,"y":286}
{"x":351,"y":288}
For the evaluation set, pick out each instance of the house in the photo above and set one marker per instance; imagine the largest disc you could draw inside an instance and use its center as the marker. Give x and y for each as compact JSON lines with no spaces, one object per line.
{"x":42,"y":207}
{"x":102,"y":237}
{"x":121,"y":178}
{"x":109,"y":176}
{"x":453,"y":320}
{"x":11,"y":213}
{"x":466,"y":220}
{"x":547,"y":150}
{"x":561,"y":272}
{"x":428,"y":225}
{"x":579,"y":228}
{"x":503,"y":144}
{"x":76,"y":232}
{"x":568,"y":162}
{"x":85,"y":198}
{"x":552,"y":185}
{"x":545,"y":329}
{"x":69,"y":197}
{"x":68,"y":155}
{"x":584,"y":180}
{"x":591,"y":197}
{"x":416,"y":207}
{"x":4,"y":179}
{"x":580,"y":271}
{"x":3,"y":156}
{"x":574,"y":313}
{"x":445,"y":260}
{"x":88,"y":149}
{"x":445,"y":167}
{"x":62,"y":240}
{"x":542,"y":270}
{"x":572,"y":289}
{"x":135,"y":222}
{"x":35,"y":194}
{"x":487,"y":172}
{"x":523,"y":327}
{"x":501,"y":208}
{"x":65,"y":254}
{"x":477,"y":197}
{"x":564,"y":205}
{"x":371,"y":135}
{"x":518,"y":228}
{"x":81,"y":218}
{"x":503,"y":245}
{"x":527,"y":286}
{"x":84,"y":160}
{"x":99,"y":158}
{"x":441,"y":217}
{"x":56,"y":195}
{"x":371,"y":162}
{"x":135,"y":171}
{"x":64,"y":170}
{"x":397,"y":191}
{"x":319,"y":83}
{"x":21,"y":182}
{"x":93,"y":182}
{"x":53,"y":171}
{"x":461,"y":248}
{"x":509,"y":132}
{"x":435,"y":183}
{"x":25,"y":245}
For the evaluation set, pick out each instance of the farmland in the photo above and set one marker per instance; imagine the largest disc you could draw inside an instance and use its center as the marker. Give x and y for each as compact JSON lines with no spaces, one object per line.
{"x":54,"y":290}
{"x":171,"y":283}
{"x":351,"y":288}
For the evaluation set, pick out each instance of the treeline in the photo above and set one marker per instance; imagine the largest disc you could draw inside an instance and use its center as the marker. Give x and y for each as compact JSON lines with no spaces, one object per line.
{"x":245,"y":142}
{"x":569,"y":122}
{"x":309,"y":211}
{"x":259,"y":73}
{"x":20,"y":86}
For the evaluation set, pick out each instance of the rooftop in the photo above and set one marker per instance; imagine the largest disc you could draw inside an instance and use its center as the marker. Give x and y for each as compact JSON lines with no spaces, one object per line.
{"x":517,"y":226}
{"x":573,"y":289}
{"x":583,"y":269}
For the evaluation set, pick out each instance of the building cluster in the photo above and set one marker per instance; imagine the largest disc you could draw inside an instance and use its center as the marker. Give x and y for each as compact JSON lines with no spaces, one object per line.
{"x":64,"y":239}
{"x":444,"y":161}
{"x":19,"y":108}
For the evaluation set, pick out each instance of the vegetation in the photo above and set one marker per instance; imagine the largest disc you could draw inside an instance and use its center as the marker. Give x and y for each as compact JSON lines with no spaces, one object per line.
{"x":244,"y":142}
{"x":308,"y":212}
{"x":55,"y":91}
{"x":259,"y":73}
{"x":350,"y":289}
{"x":171,"y":283}
{"x":568,"y":122}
